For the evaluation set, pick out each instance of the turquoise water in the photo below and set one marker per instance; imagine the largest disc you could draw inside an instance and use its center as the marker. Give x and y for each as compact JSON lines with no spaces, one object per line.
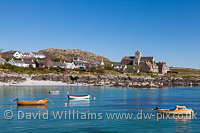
{"x":108,"y":100}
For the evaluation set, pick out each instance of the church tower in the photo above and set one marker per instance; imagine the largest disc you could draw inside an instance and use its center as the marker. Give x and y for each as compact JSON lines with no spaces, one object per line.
{"x":138,"y":56}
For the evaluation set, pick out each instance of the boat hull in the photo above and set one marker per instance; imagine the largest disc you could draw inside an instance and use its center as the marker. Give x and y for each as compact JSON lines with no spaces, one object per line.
{"x":39,"y":102}
{"x":184,"y":112}
{"x":79,"y":96}
{"x":33,"y":106}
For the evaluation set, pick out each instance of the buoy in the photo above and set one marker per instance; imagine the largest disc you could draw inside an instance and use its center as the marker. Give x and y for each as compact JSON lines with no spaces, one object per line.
{"x":94,"y":98}
{"x":65,"y":104}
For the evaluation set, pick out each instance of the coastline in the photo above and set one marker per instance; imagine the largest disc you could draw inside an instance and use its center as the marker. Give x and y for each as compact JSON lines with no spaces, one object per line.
{"x":95,"y":80}
{"x":30,"y":82}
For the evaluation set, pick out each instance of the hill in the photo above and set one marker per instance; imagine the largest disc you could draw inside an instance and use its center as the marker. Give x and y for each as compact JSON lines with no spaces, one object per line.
{"x":186,"y":72}
{"x":70,"y":54}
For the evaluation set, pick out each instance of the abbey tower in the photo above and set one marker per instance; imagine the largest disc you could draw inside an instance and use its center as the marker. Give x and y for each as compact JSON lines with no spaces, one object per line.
{"x":137,"y":59}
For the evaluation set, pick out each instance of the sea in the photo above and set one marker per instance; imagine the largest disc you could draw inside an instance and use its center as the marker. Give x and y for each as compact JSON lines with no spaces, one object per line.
{"x":110,"y":109}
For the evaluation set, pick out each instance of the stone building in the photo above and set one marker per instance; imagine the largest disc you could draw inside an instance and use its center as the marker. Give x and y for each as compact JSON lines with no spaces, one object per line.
{"x":163,"y":68}
{"x":146,"y":63}
{"x":137,"y":59}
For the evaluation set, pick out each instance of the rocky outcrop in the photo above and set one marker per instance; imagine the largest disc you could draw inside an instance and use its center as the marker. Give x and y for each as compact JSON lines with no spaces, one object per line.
{"x":119,"y":80}
{"x":69,"y":54}
{"x":103,"y":80}
{"x":11,"y":78}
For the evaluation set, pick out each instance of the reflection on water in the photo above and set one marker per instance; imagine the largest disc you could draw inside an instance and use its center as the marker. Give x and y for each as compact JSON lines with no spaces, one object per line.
{"x":176,"y":117}
{"x":32,"y":106}
{"x":78,"y":102}
{"x":108,"y":100}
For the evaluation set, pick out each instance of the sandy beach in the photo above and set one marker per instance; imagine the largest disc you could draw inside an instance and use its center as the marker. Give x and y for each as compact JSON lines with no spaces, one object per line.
{"x":30,"y":82}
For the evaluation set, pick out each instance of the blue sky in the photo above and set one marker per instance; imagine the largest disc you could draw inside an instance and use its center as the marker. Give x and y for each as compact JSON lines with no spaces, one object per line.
{"x":169,"y":30}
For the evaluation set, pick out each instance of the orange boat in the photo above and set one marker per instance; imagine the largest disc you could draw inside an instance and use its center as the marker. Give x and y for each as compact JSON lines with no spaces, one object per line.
{"x":178,"y":110}
{"x":38,"y":102}
{"x":33,"y":106}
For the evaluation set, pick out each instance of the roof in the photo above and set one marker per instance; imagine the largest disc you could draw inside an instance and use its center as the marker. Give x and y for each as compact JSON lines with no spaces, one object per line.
{"x":2,"y":60}
{"x":28,"y":62}
{"x":147,"y":58}
{"x":57,"y":64}
{"x":76,"y":62}
{"x":151,"y":64}
{"x":26,"y":53}
{"x":128,"y":58}
{"x":18,"y":61}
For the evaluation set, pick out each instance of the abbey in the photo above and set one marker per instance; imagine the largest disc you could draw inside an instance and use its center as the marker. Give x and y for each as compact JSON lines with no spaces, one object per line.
{"x":146,"y":63}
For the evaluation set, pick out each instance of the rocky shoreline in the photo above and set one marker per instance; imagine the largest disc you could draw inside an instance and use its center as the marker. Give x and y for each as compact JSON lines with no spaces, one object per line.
{"x":119,"y":80}
{"x":103,"y":80}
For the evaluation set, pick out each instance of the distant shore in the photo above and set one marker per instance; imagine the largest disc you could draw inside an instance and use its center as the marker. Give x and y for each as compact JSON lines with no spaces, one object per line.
{"x":95,"y":80}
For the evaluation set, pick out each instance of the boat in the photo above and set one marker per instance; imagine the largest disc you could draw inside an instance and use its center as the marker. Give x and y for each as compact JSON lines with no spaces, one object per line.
{"x":32,"y":106}
{"x":178,"y":110}
{"x":54,"y":92}
{"x":38,"y":102}
{"x":79,"y":96}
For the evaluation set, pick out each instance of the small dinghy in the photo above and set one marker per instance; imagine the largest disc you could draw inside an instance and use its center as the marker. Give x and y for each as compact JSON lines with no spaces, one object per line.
{"x":54,"y":92}
{"x":178,"y":110}
{"x":79,"y":96}
{"x":38,"y":102}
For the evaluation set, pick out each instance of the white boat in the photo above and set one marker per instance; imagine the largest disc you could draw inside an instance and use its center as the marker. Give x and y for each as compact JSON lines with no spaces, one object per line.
{"x":79,"y":96}
{"x":54,"y":92}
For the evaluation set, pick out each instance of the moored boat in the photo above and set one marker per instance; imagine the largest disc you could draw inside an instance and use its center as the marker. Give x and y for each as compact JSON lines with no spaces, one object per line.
{"x":37,"y":102}
{"x":54,"y":92}
{"x":178,"y":110}
{"x":79,"y":96}
{"x":33,"y":106}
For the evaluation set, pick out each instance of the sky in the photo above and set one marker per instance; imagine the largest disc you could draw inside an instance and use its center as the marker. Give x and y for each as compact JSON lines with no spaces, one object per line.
{"x":169,"y":30}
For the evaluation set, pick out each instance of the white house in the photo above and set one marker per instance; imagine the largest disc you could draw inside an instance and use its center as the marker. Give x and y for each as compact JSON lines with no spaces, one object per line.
{"x":29,"y":63}
{"x":2,"y":61}
{"x":37,"y":55}
{"x":125,"y":67}
{"x":79,"y":63}
{"x":118,"y":67}
{"x":27,"y":55}
{"x":70,"y":65}
{"x":22,"y":63}
{"x":18,"y":63}
{"x":18,"y":55}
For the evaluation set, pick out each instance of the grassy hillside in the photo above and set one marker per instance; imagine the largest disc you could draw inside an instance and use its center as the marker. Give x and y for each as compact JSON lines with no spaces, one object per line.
{"x":70,"y":54}
{"x":187,"y":72}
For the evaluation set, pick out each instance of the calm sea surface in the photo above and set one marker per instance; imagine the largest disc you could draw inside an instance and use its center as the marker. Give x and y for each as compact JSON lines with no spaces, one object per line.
{"x":93,"y":115}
